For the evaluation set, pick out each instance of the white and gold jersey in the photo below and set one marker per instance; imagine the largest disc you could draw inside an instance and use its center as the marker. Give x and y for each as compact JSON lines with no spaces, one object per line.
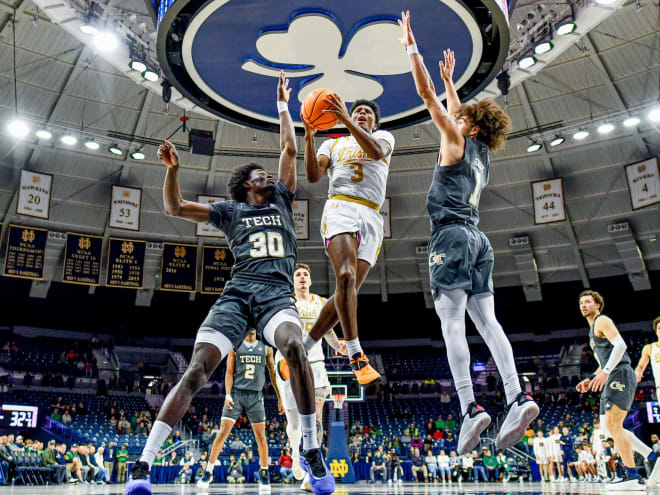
{"x":353,"y":175}
{"x":309,"y":312}
{"x":655,"y":362}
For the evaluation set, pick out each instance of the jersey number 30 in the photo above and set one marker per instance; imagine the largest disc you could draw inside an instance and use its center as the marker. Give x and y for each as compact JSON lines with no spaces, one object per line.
{"x":266,"y":244}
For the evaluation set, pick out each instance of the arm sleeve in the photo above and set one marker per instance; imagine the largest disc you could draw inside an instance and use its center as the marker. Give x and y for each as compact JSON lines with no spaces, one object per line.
{"x":221,"y":214}
{"x":616,"y":355}
{"x":326,"y":148}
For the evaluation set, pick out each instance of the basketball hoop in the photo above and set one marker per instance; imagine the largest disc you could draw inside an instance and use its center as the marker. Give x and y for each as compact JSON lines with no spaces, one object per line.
{"x":338,"y":399}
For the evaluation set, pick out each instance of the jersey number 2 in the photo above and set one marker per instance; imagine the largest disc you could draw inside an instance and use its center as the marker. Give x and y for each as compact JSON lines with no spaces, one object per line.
{"x":249,"y":372}
{"x":266,"y":244}
{"x":474,"y":198}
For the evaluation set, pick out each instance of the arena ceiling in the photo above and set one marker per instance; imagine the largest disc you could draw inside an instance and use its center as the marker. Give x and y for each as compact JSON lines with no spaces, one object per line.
{"x":609,"y":73}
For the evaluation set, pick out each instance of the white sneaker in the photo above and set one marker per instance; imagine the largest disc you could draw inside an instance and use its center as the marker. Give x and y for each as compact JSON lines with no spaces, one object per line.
{"x":205,"y":480}
{"x":400,"y":481}
{"x":389,"y":482}
{"x":655,"y":474}
{"x":305,"y":484}
{"x":627,"y":485}
{"x":475,"y":421}
{"x":522,"y":411}
{"x":298,"y":471}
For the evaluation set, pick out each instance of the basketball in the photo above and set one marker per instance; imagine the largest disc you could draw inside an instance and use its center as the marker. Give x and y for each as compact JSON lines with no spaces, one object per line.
{"x":312,"y":110}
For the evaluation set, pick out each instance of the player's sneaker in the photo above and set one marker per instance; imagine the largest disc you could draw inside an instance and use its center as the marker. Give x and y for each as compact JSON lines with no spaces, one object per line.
{"x":321,"y":480}
{"x":139,"y":483}
{"x":655,"y":474}
{"x":363,"y":370}
{"x":305,"y":484}
{"x":627,"y":484}
{"x":475,"y":421}
{"x":298,"y":471}
{"x":205,"y":480}
{"x":521,"y":413}
{"x":264,"y":480}
{"x":283,"y":370}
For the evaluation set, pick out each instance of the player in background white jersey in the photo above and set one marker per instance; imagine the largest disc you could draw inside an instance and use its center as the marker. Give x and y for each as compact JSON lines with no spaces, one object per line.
{"x":309,"y":307}
{"x":651,"y":352}
{"x":555,"y":457}
{"x":352,"y":227}
{"x":540,"y":448}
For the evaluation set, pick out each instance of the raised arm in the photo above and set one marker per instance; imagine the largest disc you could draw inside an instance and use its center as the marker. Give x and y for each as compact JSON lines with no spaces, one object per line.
{"x":288,"y":148}
{"x":447,"y":73}
{"x":174,"y":203}
{"x":315,"y":168}
{"x":424,"y":84}
{"x":644,"y":360}
{"x":270,"y":364}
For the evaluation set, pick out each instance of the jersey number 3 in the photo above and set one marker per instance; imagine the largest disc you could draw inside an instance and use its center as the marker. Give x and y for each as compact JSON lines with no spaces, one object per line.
{"x":266,"y":244}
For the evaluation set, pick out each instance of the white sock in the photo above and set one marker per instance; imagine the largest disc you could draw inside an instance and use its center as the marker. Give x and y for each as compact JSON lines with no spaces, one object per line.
{"x":353,"y":347}
{"x":309,"y":342}
{"x":637,"y":445}
{"x":481,"y":309}
{"x":159,"y":433}
{"x":210,"y":466}
{"x":293,"y":431}
{"x":308,"y":425}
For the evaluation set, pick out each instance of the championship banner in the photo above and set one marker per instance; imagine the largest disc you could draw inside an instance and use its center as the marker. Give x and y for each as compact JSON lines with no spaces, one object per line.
{"x":125,"y":263}
{"x":548,"y":201}
{"x":125,"y":208}
{"x":387,"y":220}
{"x":179,"y":268}
{"x":643,"y":183}
{"x":26,"y":249}
{"x":206,"y":229}
{"x":216,"y":268}
{"x":82,"y":259}
{"x":301,"y":218}
{"x":34,"y":194}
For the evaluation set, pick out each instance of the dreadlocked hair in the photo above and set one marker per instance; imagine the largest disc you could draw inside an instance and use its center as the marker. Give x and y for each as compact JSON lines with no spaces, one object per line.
{"x":493,"y":123}
{"x":236,"y":184}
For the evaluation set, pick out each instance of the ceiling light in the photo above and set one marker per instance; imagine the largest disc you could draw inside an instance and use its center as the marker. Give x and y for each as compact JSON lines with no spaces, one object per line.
{"x":654,"y":114}
{"x":150,"y":75}
{"x":557,"y":141}
{"x":137,"y":65}
{"x":43,"y":134}
{"x":106,"y":42}
{"x":138,"y":155}
{"x":566,"y":28}
{"x":18,"y":128}
{"x":543,"y":47}
{"x":526,"y":62}
{"x":115,"y":150}
{"x":631,"y":122}
{"x":90,"y":144}
{"x":88,"y":28}
{"x":580,"y":135}
{"x":533,"y":147}
{"x":69,"y":140}
{"x":605,"y":128}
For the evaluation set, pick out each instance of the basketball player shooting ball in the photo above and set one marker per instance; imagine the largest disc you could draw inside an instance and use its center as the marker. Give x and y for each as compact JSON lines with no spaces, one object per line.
{"x":460,"y":256}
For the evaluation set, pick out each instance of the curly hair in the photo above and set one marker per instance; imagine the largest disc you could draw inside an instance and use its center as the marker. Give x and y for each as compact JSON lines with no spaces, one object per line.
{"x":596,"y":296}
{"x":493,"y":123}
{"x":236,"y":183}
{"x":655,"y":323}
{"x":367,"y":103}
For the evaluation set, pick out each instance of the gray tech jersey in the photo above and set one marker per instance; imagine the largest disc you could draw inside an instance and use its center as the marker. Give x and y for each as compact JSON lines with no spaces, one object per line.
{"x":250,"y":367}
{"x":456,"y":189}
{"x":603,"y":348}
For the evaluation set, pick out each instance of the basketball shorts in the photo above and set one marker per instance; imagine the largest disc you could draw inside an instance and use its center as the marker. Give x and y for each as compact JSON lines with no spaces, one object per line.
{"x":242,"y":306}
{"x":460,"y":257}
{"x":250,"y":402}
{"x":619,"y":389}
{"x":341,"y":217}
{"x":321,"y":385}
{"x":542,"y":460}
{"x":556,"y":455}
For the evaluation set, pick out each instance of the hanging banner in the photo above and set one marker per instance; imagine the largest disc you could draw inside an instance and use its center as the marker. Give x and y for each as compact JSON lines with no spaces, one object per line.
{"x":34,"y":194}
{"x":179,"y":268}
{"x":301,"y":218}
{"x":82,"y":259}
{"x":548,"y":201}
{"x":206,"y":229}
{"x":26,"y":250}
{"x":643,"y":183}
{"x":125,"y":263}
{"x":387,"y":220}
{"x":125,"y":208}
{"x":216,"y":268}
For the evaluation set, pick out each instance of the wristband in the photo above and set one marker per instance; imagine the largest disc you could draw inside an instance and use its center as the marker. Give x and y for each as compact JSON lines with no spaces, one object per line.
{"x":228,"y":397}
{"x":410,"y":49}
{"x":282,"y":106}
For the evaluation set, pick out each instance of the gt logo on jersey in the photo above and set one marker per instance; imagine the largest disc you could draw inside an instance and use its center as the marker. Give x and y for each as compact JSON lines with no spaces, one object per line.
{"x":437,"y":259}
{"x":617,"y":386}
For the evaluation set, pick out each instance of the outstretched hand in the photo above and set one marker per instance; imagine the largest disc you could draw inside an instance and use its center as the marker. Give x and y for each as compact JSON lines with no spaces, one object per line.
{"x":407,"y":36}
{"x":168,"y":155}
{"x":283,"y":89}
{"x":337,"y":107}
{"x":447,"y":68}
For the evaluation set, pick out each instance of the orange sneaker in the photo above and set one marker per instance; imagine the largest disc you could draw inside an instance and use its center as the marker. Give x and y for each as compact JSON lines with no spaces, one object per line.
{"x":283,"y":370}
{"x":363,"y":370}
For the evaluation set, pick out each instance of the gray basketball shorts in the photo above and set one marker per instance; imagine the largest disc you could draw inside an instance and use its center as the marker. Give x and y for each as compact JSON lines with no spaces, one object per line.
{"x":619,"y":389}
{"x":250,"y":402}
{"x":460,"y":257}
